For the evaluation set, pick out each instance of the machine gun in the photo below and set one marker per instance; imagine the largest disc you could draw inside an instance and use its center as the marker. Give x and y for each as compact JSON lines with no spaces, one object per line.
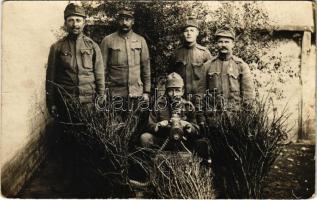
{"x":177,"y":130}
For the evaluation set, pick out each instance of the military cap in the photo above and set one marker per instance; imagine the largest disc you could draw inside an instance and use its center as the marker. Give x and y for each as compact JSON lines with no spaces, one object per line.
{"x":126,"y":11}
{"x":73,"y":9}
{"x":225,"y":33}
{"x":191,"y":22}
{"x":174,"y":80}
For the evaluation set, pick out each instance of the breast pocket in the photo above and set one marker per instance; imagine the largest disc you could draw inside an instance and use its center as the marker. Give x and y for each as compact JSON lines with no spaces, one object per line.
{"x":86,"y":56}
{"x":234,"y":81}
{"x":66,"y":58}
{"x":115,"y":55}
{"x":214,"y":80}
{"x":136,"y":52}
{"x":199,"y":70}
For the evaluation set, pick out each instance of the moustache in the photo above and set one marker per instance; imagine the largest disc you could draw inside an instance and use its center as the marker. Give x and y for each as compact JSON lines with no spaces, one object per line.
{"x":124,"y":26}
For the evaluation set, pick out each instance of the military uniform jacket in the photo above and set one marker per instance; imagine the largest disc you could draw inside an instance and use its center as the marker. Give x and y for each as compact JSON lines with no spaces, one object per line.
{"x":163,"y":111}
{"x":127,"y":64}
{"x":76,"y":67}
{"x":189,"y":62}
{"x":231,"y":79}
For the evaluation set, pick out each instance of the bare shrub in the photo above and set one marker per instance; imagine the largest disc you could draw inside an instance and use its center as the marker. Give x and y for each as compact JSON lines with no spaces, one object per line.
{"x":181,"y":176}
{"x":106,"y":138}
{"x":245,"y":145}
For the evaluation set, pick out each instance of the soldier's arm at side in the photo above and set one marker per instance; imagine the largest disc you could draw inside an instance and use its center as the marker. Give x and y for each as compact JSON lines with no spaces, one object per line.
{"x":99,"y":71}
{"x":247,"y":84}
{"x":145,"y":67}
{"x":50,"y":78}
{"x":104,"y":47}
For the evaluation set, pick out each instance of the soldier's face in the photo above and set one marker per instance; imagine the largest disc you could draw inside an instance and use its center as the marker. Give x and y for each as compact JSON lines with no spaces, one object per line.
{"x":125,"y":23}
{"x":190,"y":34}
{"x":225,"y":45}
{"x":75,"y":24}
{"x":175,"y":92}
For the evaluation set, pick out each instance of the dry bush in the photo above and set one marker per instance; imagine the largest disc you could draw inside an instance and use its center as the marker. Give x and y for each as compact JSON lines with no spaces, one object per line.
{"x":181,"y":176}
{"x":106,"y":137}
{"x":245,"y":145}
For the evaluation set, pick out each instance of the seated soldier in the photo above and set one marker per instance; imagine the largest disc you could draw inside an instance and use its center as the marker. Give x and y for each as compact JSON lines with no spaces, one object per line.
{"x":172,"y":107}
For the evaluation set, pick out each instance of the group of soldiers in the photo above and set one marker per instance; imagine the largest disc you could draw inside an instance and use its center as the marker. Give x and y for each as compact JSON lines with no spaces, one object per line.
{"x":84,"y":70}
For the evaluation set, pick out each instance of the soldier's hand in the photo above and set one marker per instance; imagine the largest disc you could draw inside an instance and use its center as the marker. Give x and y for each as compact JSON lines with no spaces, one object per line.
{"x":53,"y":111}
{"x":163,"y":123}
{"x":184,"y":123}
{"x":187,"y":126}
{"x":146,"y":97}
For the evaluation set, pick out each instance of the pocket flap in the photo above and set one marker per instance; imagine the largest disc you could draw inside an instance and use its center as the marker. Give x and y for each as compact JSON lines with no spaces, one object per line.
{"x":136,"y":45}
{"x":233,"y":75}
{"x":197,"y":64}
{"x":66,"y":53}
{"x":180,"y":62}
{"x":86,"y":51}
{"x":115,"y":47}
{"x":212,"y":72}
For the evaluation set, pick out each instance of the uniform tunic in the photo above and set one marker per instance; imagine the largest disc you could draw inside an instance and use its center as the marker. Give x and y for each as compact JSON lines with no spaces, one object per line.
{"x":127,"y":64}
{"x":75,"y":66}
{"x":189,"y":62}
{"x":231,"y":80}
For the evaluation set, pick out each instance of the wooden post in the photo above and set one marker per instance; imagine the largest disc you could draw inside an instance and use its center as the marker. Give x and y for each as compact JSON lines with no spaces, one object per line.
{"x":304,"y":65}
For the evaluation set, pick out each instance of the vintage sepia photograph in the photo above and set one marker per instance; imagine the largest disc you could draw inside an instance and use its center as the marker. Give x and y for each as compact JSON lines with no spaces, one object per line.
{"x":158,"y":99}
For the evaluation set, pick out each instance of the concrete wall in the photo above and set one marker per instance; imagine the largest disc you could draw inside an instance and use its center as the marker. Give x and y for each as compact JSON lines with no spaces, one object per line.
{"x":27,"y":33}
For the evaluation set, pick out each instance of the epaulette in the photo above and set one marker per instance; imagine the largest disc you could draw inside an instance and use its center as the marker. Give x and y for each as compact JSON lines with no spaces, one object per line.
{"x":201,"y":47}
{"x":88,"y":39}
{"x":62,"y":39}
{"x":112,"y":35}
{"x":213,"y":58}
{"x":136,"y":35}
{"x":237,"y":59}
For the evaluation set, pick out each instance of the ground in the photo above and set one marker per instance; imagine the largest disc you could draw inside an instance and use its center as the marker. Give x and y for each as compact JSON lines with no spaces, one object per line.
{"x":292,"y":176}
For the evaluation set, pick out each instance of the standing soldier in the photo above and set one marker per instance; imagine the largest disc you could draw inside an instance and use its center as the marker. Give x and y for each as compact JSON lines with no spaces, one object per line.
{"x":230,"y":84}
{"x":75,"y":66}
{"x":126,"y":60}
{"x":229,"y":77}
{"x":190,"y":62}
{"x":75,"y":73}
